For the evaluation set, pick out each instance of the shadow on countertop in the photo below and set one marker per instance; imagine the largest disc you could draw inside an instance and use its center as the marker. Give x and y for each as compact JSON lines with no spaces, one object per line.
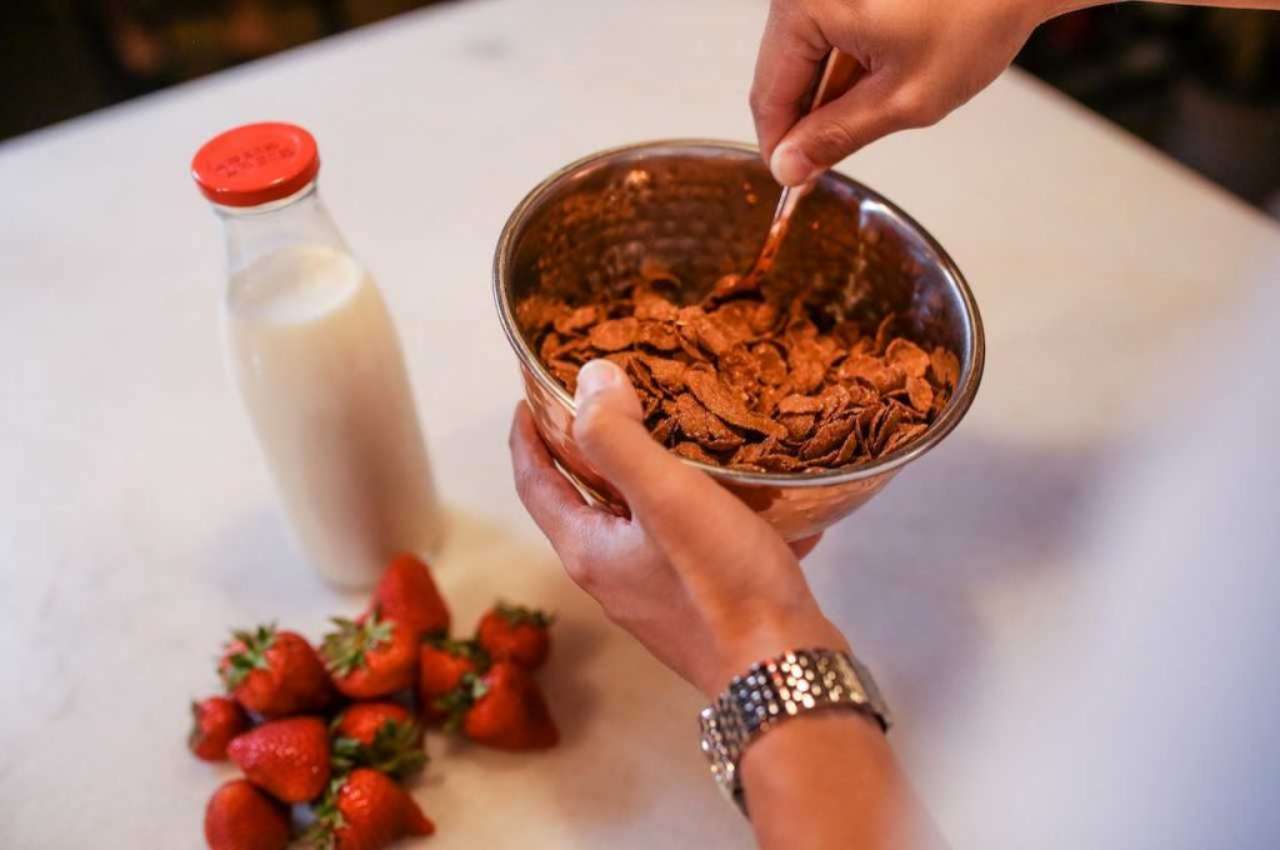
{"x":905,"y":576}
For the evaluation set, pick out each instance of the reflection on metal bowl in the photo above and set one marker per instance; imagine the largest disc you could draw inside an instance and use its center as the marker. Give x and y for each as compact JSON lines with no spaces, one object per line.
{"x":702,"y":208}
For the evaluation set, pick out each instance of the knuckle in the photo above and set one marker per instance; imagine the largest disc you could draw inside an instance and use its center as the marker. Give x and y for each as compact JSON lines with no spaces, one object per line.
{"x":913,"y":106}
{"x":761,"y":103}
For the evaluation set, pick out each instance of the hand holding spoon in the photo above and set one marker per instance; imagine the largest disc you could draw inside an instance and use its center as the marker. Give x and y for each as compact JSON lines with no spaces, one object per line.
{"x":839,"y":73}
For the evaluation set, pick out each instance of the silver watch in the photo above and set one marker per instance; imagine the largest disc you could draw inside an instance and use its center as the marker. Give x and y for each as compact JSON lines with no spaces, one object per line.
{"x":791,"y":684}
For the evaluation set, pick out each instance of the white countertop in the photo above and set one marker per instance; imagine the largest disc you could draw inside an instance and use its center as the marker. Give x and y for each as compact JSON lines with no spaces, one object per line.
{"x":137,"y":523}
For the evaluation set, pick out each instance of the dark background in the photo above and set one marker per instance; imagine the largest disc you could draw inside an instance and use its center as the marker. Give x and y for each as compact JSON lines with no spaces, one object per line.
{"x":1202,"y":84}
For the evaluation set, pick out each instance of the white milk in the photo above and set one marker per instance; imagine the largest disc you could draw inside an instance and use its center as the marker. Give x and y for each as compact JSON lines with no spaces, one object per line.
{"x":322,"y":375}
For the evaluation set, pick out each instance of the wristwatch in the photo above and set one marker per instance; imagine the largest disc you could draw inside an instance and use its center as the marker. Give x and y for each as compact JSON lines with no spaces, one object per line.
{"x":774,"y":690}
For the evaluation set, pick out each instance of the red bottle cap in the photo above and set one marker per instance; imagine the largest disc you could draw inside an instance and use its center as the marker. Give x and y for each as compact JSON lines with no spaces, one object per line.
{"x":256,"y":164}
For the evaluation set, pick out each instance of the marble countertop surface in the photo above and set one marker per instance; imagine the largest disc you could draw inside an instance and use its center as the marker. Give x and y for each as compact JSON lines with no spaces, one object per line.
{"x":137,"y":523}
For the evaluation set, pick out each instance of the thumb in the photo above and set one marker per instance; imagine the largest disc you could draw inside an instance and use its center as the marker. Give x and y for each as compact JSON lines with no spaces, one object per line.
{"x":604,"y":392}
{"x":670,"y":499}
{"x":827,"y":135}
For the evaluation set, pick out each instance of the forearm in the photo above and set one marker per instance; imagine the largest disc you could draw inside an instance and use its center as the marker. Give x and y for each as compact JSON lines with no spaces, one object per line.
{"x":830,"y":780}
{"x":1053,"y":8}
{"x":1265,"y":5}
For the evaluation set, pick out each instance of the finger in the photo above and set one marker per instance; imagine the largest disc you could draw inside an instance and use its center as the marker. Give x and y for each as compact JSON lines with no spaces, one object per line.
{"x":686,"y":512}
{"x":554,"y":503}
{"x":827,"y":135}
{"x":588,"y":539}
{"x":805,"y":546}
{"x":792,"y":50}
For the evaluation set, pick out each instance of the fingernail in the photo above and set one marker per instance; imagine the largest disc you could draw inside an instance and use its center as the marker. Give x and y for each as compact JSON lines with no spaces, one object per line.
{"x":790,"y":166}
{"x":596,"y":377}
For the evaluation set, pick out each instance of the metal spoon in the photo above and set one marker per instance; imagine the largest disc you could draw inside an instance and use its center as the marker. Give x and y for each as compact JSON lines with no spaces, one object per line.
{"x":839,"y":73}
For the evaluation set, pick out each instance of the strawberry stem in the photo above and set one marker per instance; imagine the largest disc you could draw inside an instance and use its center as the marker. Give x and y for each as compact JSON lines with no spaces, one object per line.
{"x":458,"y":701}
{"x":396,"y":751}
{"x":322,"y":834}
{"x":250,"y":655}
{"x":519,"y":615}
{"x":468,"y":649}
{"x":345,"y":649}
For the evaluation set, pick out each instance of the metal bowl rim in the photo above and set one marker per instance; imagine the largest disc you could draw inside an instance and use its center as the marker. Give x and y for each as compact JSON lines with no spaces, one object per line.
{"x":965,"y":393}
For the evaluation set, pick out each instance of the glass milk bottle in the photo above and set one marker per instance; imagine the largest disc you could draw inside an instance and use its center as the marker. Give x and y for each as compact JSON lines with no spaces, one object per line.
{"x":317,"y":360}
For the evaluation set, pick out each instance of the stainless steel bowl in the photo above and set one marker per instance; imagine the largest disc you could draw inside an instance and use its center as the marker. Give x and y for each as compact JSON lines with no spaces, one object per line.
{"x":702,"y":207}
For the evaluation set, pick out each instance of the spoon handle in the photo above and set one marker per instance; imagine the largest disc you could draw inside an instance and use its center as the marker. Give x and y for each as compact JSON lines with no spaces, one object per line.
{"x":840,"y":72}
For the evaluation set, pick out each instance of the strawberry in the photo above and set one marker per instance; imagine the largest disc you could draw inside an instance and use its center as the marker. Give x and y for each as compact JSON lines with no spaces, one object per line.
{"x":289,"y":759}
{"x":515,"y":633}
{"x":365,"y":810}
{"x":371,"y":658}
{"x":508,"y":711}
{"x":441,"y":666}
{"x":380,"y":735}
{"x":240,"y":817}
{"x":407,"y":594}
{"x":274,"y":673}
{"x":214,"y":722}
{"x":364,"y":720}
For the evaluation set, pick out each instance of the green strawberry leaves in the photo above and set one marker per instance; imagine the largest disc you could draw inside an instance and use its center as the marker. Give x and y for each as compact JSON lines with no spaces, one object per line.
{"x":519,"y":615}
{"x":345,"y":650}
{"x":396,"y":750}
{"x":252,"y":654}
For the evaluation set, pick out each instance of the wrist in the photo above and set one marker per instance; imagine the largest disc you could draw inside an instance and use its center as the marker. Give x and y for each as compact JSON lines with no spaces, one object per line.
{"x":767,"y":638}
{"x":776,"y":691}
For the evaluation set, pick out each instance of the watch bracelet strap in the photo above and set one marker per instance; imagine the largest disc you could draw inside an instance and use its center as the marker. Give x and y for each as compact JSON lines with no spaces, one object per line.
{"x":774,"y":690}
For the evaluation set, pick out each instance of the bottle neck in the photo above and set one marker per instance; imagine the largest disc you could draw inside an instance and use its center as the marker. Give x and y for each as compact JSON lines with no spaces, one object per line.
{"x":256,"y":232}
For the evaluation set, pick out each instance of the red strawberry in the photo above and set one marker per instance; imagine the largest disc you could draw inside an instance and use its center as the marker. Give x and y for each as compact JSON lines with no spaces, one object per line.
{"x":215,"y":721}
{"x":366,"y":811}
{"x":509,"y":711}
{"x":364,"y":720}
{"x":380,"y":735}
{"x":441,"y":666}
{"x":371,"y":658}
{"x":240,"y":817}
{"x":514,"y":633}
{"x":289,"y":759}
{"x":407,"y":594}
{"x":274,"y":673}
